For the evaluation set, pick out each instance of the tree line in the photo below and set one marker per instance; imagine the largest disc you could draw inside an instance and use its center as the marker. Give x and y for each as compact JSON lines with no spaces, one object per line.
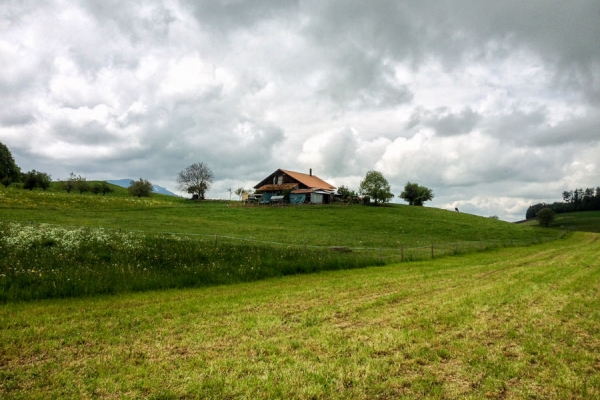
{"x":11,"y":173}
{"x":375,"y":186}
{"x":573,"y":200}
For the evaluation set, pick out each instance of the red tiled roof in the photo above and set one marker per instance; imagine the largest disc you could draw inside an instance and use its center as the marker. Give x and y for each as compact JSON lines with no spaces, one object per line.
{"x":311,"y":181}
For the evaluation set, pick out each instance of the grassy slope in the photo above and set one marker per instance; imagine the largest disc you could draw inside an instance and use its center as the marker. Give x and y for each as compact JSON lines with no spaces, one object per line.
{"x":508,"y":323}
{"x":353,"y":226}
{"x":583,"y":221}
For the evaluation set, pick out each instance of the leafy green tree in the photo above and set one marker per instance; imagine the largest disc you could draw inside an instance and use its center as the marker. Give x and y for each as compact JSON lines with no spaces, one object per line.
{"x":376,"y":186}
{"x":33,"y":179}
{"x":81,"y":184}
{"x":106,"y":188}
{"x":43,"y":180}
{"x":343,"y":191}
{"x":140,"y":188}
{"x":346,"y":193}
{"x":9,"y":171}
{"x":96,"y":188}
{"x":195,"y":179}
{"x":30,"y":180}
{"x":416,"y":195}
{"x":69,"y":184}
{"x":545,"y":216}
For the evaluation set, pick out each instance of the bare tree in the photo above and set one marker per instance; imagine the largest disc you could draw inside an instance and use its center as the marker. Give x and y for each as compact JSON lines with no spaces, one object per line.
{"x":195,"y":179}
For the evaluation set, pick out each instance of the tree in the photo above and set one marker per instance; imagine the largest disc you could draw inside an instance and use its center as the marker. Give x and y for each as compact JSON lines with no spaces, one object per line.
{"x":376,"y":186}
{"x":69,"y":184}
{"x":96,"y":188}
{"x":9,"y":171}
{"x":140,"y":188}
{"x":75,"y":182}
{"x":106,"y":188}
{"x":343,"y":191}
{"x":195,"y":179}
{"x":545,"y":216}
{"x":230,"y":192}
{"x":346,"y":193}
{"x":30,"y":180}
{"x":101,"y":187}
{"x":33,"y":179}
{"x":81,"y":184}
{"x":416,"y":195}
{"x":43,"y":180}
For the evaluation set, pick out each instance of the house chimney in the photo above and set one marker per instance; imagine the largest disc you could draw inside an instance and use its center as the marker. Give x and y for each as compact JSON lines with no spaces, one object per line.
{"x":310,"y":172}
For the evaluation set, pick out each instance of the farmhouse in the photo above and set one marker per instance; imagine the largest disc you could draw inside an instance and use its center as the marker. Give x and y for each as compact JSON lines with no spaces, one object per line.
{"x":301,"y":188}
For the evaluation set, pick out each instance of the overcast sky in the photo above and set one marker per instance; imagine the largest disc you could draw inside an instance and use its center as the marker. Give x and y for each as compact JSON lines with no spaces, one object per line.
{"x":495,"y":105}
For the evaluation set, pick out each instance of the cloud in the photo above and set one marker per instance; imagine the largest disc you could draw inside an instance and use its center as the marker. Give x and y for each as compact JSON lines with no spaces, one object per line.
{"x":444,"y":122}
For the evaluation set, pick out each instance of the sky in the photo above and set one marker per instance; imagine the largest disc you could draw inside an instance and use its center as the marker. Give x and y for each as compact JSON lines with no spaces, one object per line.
{"x":495,"y":105}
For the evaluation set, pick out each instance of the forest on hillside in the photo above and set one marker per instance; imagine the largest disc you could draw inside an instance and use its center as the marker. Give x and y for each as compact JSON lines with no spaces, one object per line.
{"x":573,"y":200}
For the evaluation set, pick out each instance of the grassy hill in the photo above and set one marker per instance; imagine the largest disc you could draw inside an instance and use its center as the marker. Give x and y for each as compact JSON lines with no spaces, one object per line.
{"x":337,"y":225}
{"x":583,"y":221}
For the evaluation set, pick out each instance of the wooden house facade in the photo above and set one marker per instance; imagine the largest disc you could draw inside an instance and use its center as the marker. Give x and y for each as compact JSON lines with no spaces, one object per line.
{"x":301,"y":188}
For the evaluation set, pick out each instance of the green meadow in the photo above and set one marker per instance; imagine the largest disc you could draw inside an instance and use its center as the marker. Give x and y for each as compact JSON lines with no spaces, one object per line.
{"x":584,"y":221}
{"x":55,"y":245}
{"x":337,"y":225}
{"x":163,"y":298}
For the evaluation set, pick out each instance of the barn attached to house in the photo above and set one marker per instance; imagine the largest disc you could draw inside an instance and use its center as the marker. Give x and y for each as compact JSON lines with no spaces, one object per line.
{"x":301,"y":188}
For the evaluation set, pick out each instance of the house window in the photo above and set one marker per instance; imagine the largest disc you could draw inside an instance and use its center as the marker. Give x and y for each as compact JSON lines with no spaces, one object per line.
{"x":280,"y":180}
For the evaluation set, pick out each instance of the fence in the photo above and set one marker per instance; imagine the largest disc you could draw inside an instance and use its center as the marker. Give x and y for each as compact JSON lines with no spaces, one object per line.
{"x":385,"y":255}
{"x":393,"y":255}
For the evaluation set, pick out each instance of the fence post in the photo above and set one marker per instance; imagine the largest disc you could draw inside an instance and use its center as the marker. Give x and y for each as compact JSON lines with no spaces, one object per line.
{"x":431,"y":250}
{"x":216,"y":239}
{"x":304,"y":246}
{"x":380,"y":254}
{"x":480,"y":247}
{"x":402,"y":253}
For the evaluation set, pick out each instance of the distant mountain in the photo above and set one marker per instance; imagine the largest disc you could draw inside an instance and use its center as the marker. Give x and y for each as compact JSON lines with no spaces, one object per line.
{"x":125,"y":183}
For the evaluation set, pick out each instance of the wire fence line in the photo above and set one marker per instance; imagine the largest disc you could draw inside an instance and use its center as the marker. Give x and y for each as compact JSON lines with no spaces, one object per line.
{"x":400,"y":253}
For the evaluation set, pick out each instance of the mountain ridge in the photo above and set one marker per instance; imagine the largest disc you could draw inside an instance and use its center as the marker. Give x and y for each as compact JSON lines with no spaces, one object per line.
{"x":155,"y":188}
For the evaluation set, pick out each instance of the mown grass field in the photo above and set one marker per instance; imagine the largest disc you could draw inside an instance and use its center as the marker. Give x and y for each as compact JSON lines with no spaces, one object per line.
{"x":583,"y":221}
{"x":506,"y":323}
